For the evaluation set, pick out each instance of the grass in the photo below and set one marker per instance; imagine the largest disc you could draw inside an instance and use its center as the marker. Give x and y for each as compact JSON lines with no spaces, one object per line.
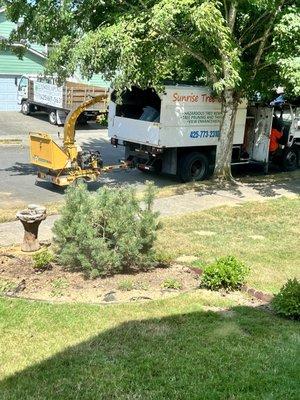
{"x":199,"y":345}
{"x":210,"y":185}
{"x":59,"y":286}
{"x":172,"y":349}
{"x":265,"y":235}
{"x":171,"y":283}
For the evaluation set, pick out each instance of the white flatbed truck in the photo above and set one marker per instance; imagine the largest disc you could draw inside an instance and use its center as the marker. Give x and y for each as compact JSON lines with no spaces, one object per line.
{"x":43,"y":94}
{"x":176,"y":132}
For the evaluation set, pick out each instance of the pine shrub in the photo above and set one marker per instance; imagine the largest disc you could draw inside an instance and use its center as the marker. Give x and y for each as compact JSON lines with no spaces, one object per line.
{"x":108,"y":232}
{"x":287,"y":302}
{"x":226,"y":272}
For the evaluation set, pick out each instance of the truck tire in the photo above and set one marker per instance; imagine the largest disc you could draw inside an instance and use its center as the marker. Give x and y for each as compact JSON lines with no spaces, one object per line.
{"x":53,"y":117}
{"x":25,"y":108}
{"x":290,"y":158}
{"x":193,"y":167}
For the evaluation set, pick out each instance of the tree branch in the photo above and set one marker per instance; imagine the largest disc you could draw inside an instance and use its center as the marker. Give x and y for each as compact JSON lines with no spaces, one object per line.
{"x":252,"y":43}
{"x":196,"y":55}
{"x":199,"y":56}
{"x":232,"y":15}
{"x":265,"y":37}
{"x":226,"y":9}
{"x":252,"y":26}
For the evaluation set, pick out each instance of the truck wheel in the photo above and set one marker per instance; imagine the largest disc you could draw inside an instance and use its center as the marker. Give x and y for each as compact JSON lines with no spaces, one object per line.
{"x":25,"y":108}
{"x":290,"y":159}
{"x":193,"y":167}
{"x":53,"y":117}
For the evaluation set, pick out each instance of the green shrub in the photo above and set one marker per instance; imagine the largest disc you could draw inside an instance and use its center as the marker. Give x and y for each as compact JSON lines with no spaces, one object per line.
{"x":226,"y":272}
{"x":108,"y":231}
{"x":126,"y":285}
{"x":94,"y":273}
{"x":287,"y":302}
{"x":102,"y":119}
{"x":42,"y":259}
{"x":171,"y":283}
{"x":163,"y":258}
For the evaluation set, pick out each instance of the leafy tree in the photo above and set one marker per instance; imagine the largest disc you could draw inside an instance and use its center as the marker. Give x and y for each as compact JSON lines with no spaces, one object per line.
{"x":238,"y":47}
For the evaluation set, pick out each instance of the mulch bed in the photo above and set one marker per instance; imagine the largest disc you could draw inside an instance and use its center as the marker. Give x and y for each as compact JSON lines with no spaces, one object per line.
{"x":18,"y":278}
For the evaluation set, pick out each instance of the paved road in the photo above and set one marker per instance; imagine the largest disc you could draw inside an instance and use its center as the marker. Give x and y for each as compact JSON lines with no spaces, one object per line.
{"x":18,"y":184}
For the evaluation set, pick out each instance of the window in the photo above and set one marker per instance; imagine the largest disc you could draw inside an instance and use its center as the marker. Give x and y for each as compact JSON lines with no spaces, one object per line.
{"x":23,"y":83}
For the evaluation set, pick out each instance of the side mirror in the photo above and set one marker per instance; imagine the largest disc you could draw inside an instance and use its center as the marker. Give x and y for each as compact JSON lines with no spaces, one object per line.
{"x":16,"y":81}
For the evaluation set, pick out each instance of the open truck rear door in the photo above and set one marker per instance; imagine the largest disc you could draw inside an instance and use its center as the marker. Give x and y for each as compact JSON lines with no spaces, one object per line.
{"x":261,"y":135}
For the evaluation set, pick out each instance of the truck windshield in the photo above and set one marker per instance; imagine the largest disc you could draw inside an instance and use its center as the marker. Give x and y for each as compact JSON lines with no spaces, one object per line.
{"x":23,"y":83}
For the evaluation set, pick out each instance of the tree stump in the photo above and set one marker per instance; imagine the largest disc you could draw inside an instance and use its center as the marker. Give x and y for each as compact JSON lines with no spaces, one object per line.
{"x":31,"y":219}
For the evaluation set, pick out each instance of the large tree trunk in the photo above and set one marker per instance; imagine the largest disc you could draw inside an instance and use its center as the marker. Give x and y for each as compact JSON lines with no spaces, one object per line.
{"x":224,"y":149}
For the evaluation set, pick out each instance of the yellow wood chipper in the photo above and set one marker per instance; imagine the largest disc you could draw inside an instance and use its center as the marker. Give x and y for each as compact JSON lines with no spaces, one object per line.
{"x":69,"y":163}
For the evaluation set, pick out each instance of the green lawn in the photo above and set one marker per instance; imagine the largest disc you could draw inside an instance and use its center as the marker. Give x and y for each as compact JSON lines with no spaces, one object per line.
{"x":171,"y":349}
{"x":200,"y":345}
{"x":265,"y":235}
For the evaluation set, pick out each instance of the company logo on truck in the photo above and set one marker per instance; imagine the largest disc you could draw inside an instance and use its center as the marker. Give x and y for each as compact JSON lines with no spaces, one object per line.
{"x":194,"y":98}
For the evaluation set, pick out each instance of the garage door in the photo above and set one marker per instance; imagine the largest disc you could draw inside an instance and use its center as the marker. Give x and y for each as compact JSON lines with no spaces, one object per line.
{"x":8,"y":93}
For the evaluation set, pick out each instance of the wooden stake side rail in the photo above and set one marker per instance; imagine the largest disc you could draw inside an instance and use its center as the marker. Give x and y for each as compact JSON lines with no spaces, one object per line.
{"x":75,"y":94}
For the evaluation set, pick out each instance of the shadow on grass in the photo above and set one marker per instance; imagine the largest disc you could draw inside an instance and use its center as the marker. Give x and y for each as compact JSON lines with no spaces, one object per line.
{"x":240,"y":353}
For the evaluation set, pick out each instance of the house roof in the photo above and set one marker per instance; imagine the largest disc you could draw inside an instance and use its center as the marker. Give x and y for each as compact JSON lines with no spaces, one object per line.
{"x":30,"y":49}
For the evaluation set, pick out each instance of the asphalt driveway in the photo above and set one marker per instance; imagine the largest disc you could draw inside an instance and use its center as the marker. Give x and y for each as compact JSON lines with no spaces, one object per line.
{"x":18,"y":184}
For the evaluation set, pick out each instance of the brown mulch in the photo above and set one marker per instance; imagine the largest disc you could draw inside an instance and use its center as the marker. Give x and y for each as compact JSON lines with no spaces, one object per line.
{"x":19,"y":278}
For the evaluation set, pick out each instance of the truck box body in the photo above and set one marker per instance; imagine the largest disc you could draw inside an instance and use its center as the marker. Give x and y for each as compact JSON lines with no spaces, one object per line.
{"x":189,"y":116}
{"x":177,"y":132}
{"x":43,"y":94}
{"x":63,"y":97}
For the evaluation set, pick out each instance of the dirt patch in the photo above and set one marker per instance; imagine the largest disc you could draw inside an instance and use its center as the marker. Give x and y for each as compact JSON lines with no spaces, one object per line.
{"x":19,"y":278}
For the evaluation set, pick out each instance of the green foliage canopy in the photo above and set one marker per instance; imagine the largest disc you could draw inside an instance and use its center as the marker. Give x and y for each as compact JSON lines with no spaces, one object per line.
{"x":245,"y":45}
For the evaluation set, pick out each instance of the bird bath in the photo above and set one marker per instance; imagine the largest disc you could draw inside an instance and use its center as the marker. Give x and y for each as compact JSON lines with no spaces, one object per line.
{"x":31,"y":219}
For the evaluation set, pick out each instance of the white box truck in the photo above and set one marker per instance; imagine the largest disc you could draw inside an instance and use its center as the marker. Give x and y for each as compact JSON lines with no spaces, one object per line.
{"x":177,"y":131}
{"x":43,"y":94}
